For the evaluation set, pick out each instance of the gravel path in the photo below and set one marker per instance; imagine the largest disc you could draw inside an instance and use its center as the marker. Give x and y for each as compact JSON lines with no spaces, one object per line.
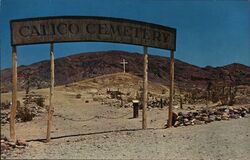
{"x":217,"y":140}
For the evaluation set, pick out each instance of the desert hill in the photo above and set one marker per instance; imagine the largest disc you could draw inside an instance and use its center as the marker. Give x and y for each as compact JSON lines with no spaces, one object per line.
{"x":82,"y":66}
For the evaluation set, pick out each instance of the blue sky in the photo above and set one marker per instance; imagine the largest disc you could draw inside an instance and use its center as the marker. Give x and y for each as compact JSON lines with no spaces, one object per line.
{"x":209,"y":32}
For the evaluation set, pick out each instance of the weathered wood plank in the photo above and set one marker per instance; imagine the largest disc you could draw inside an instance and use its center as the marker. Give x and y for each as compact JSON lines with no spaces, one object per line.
{"x":14,"y":96}
{"x":145,"y":89}
{"x":171,"y":94}
{"x":101,"y":29}
{"x":51,"y":95}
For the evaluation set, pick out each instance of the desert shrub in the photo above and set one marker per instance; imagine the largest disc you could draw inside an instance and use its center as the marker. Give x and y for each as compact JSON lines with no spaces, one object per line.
{"x":164,"y":91}
{"x":94,"y":80}
{"x":25,"y":114}
{"x":78,"y":96}
{"x":40,"y":101}
{"x":232,"y":95}
{"x":96,"y":99}
{"x":114,"y":94}
{"x":5,"y":105}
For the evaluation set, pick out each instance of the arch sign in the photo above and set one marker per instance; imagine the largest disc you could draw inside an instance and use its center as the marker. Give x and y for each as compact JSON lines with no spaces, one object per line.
{"x":89,"y":29}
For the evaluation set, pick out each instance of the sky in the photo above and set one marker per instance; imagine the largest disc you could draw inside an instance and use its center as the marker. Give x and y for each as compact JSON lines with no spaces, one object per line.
{"x":209,"y":32}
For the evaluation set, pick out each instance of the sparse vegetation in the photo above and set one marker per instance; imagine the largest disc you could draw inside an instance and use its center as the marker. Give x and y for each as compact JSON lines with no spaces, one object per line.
{"x":78,"y":96}
{"x":24,"y":113}
{"x":36,"y":98}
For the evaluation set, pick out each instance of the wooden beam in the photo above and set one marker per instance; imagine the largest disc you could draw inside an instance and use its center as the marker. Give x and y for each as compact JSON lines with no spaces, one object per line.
{"x":14,"y":96}
{"x":145,"y":89}
{"x":51,"y":94}
{"x":171,"y":94}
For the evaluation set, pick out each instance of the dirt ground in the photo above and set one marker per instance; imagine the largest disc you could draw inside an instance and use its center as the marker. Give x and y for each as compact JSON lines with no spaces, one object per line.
{"x":94,"y":131}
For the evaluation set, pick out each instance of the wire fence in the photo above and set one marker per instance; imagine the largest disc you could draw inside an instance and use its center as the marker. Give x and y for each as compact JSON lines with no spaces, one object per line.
{"x":95,"y":117}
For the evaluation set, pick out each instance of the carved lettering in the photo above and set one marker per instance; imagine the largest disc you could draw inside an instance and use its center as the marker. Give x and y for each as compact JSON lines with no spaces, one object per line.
{"x":166,"y":37}
{"x":91,"y":29}
{"x":24,"y":31}
{"x":62,"y":28}
{"x":43,"y":30}
{"x":74,"y":29}
{"x":53,"y":29}
{"x":115,"y":30}
{"x":128,"y":31}
{"x":35,"y":31}
{"x":103,"y":29}
{"x":157,"y":36}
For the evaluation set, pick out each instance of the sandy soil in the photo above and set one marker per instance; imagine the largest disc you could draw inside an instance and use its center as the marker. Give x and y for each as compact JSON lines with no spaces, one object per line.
{"x":93,"y":131}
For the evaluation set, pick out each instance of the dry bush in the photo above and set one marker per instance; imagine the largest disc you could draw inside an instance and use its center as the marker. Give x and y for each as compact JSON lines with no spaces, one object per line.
{"x":78,"y":96}
{"x":114,"y":94}
{"x":24,"y":113}
{"x":40,"y":101}
{"x":5,"y":105}
{"x":164,"y":91}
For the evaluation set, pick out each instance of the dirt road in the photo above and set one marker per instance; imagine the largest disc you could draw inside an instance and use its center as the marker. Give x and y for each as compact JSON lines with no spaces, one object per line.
{"x":93,"y":131}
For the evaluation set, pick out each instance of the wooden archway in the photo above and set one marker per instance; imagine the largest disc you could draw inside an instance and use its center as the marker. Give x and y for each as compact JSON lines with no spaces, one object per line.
{"x":89,"y":29}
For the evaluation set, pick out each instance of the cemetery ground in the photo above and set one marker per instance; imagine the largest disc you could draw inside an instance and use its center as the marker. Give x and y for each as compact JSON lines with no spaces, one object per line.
{"x":85,"y":128}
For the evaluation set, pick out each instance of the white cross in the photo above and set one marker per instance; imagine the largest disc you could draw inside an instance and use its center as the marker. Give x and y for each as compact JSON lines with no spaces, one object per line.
{"x":124,"y":65}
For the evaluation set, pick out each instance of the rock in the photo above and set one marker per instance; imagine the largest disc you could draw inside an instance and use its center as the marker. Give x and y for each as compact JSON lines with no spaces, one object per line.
{"x":185,"y":115}
{"x":22,"y":143}
{"x":234,"y":116}
{"x":185,"y":120}
{"x":190,"y":115}
{"x":206,"y":115}
{"x":191,"y":107}
{"x":212,"y":118}
{"x":222,"y":109}
{"x":198,"y":118}
{"x":197,"y":122}
{"x":180,"y":114}
{"x":177,"y":123}
{"x":204,"y":110}
{"x":211,"y":112}
{"x":192,"y":121}
{"x":20,"y":147}
{"x":225,"y":116}
{"x":207,"y":119}
{"x":105,"y":136}
{"x":12,"y":144}
{"x":4,"y":147}
{"x":174,"y":118}
{"x":247,"y":109}
{"x":218,"y":118}
{"x":236,"y":111}
{"x":187,"y":123}
{"x":243,"y":113}
{"x":218,"y":113}
{"x":3,"y":156}
{"x":195,"y":113}
{"x":203,"y":118}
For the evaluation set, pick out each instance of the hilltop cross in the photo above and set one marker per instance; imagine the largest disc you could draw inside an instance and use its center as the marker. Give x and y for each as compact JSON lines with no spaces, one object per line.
{"x":124,"y":65}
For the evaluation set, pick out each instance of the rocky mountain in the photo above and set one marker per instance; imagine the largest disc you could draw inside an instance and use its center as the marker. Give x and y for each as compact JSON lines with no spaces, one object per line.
{"x":87,"y":65}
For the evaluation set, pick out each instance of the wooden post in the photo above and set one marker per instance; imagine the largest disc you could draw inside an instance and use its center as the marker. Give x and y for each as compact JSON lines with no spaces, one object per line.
{"x":145,"y":89}
{"x":170,"y":110}
{"x":135,"y":108}
{"x":52,"y":80}
{"x":14,"y":96}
